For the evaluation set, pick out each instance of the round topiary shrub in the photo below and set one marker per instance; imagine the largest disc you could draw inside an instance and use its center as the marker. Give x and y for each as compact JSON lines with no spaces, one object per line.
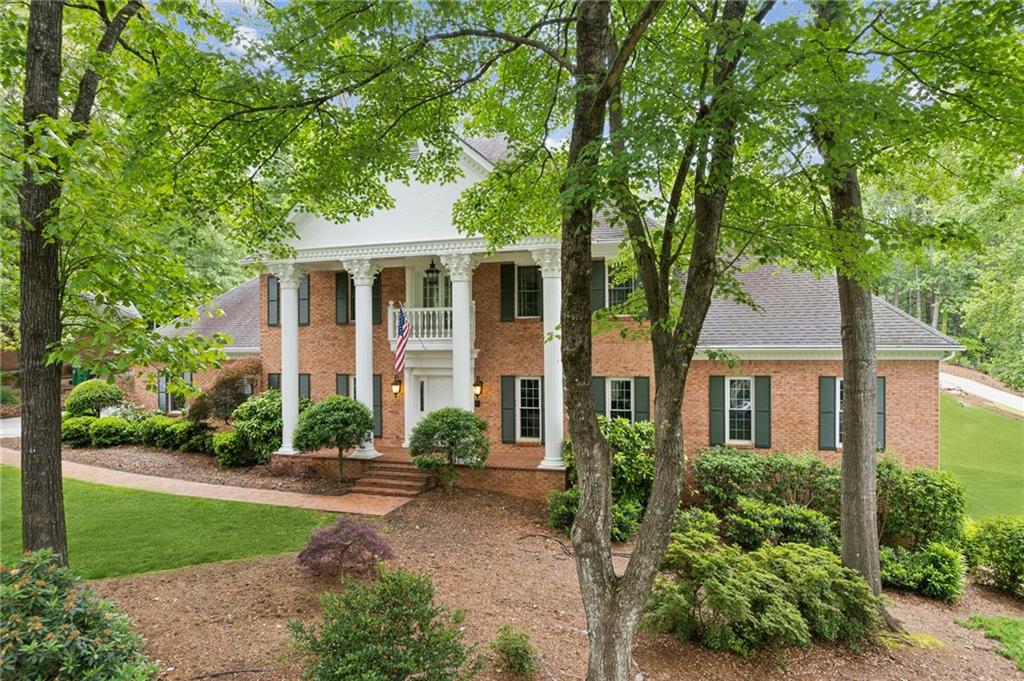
{"x":89,"y":397}
{"x":110,"y":431}
{"x":55,"y":628}
{"x":76,"y":431}
{"x":447,"y":438}
{"x":335,"y":421}
{"x":231,"y":450}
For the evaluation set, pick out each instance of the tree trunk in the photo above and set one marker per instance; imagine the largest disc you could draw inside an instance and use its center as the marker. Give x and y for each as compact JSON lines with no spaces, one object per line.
{"x":936,"y":305}
{"x":918,"y":310}
{"x":42,"y":498}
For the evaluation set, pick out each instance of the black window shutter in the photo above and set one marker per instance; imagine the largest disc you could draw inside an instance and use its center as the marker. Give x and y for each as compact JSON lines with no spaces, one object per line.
{"x":508,"y":292}
{"x":376,"y":301}
{"x":827,"y":413}
{"x":341,"y":384}
{"x":274,"y":381}
{"x":542,"y":410}
{"x":304,"y":301}
{"x":378,"y":416}
{"x":508,"y":408}
{"x":880,"y":415}
{"x":341,"y":298}
{"x":641,"y":398}
{"x":597,"y":392}
{"x":716,"y":408}
{"x":273,"y":301}
{"x":598,"y":285}
{"x":352,"y":300}
{"x":304,"y":386}
{"x":161,"y":392}
{"x":763,"y":412}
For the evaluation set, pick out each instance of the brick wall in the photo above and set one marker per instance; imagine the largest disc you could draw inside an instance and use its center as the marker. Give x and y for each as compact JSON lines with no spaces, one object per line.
{"x":135,"y":389}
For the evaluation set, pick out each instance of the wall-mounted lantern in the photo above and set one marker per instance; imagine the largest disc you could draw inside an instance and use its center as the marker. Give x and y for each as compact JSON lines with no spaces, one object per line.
{"x":396,"y":386}
{"x":478,"y":390}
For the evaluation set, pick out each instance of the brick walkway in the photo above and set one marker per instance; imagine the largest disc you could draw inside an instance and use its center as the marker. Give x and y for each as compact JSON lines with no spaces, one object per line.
{"x":359,"y":504}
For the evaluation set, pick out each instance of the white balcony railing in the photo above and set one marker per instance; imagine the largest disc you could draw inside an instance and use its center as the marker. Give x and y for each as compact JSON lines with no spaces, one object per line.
{"x":430,"y":325}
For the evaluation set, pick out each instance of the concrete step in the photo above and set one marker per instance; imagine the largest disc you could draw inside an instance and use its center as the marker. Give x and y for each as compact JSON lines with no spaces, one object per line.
{"x":395,"y":465}
{"x":385,"y":491}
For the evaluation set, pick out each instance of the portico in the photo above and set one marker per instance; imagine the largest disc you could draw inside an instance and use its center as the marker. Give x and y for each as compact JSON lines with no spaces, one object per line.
{"x":443,"y":350}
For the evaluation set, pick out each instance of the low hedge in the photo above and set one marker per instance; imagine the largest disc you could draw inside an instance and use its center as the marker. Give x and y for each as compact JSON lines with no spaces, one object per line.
{"x":151,"y":430}
{"x":110,"y":431}
{"x":232,"y":451}
{"x":936,"y":571}
{"x":562,"y":507}
{"x":996,"y":552}
{"x":75,"y":431}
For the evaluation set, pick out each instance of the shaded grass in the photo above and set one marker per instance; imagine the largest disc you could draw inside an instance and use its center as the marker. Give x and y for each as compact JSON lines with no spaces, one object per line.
{"x":985,"y":449}
{"x":1009,"y":631}
{"x":118,"y":531}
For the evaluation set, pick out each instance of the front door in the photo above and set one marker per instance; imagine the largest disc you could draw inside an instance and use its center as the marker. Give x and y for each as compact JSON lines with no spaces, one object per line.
{"x":430,"y":394}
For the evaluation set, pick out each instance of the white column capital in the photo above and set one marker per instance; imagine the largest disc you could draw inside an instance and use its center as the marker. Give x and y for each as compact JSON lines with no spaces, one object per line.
{"x":459,"y":265}
{"x":289,"y":275}
{"x":362,"y":271}
{"x":550,"y":261}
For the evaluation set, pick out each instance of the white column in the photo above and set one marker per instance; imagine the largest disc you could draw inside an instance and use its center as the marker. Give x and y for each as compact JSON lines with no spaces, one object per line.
{"x":411,"y":398}
{"x":363,"y":273}
{"x":550,"y":261}
{"x":288,"y":277}
{"x":460,"y":269}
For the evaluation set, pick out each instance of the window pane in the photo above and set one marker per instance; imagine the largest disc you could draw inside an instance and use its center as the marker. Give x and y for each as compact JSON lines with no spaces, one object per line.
{"x":839,"y":412}
{"x":740,"y":410}
{"x":529,"y":291}
{"x":619,"y":293}
{"x":529,"y":408}
{"x":620,"y":404}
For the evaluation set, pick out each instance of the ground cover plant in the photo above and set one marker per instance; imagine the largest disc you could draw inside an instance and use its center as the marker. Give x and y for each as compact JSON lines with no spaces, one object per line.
{"x":88,"y":398}
{"x":1009,"y":631}
{"x":982,"y":448}
{"x":447,"y":438}
{"x":55,"y":628}
{"x":363,"y":626}
{"x":349,"y":546}
{"x":165,"y":531}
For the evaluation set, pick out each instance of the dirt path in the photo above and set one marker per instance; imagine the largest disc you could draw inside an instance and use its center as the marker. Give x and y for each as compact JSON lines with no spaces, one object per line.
{"x":234,"y":615}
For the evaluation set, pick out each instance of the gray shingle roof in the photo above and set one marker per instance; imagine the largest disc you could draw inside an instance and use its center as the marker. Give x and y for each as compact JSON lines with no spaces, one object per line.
{"x":241,"y":318}
{"x":799,"y":310}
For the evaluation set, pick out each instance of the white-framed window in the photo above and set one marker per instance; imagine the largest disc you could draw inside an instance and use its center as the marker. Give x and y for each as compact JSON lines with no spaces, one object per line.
{"x":528,"y":409}
{"x":619,"y":398}
{"x":739,"y":409}
{"x":839,"y":411}
{"x":437,"y":293}
{"x":529,"y":289}
{"x":619,"y":291}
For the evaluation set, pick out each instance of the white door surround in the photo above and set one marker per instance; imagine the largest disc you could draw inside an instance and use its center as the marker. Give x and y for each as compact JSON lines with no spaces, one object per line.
{"x":426,"y":391}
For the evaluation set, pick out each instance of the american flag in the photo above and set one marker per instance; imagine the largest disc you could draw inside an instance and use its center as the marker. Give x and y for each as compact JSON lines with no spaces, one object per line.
{"x":404,"y":332}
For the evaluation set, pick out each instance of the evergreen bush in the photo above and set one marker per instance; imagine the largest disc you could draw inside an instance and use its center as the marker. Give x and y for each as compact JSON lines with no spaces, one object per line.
{"x":232,"y":451}
{"x":753,"y":523}
{"x":152,"y":431}
{"x":935,"y":571}
{"x":89,"y":397}
{"x":110,"y":431}
{"x":258,"y":420}
{"x":335,"y":421}
{"x":997,"y":552}
{"x":513,"y":651}
{"x":75,"y":431}
{"x":447,"y":438}
{"x":388,"y":629}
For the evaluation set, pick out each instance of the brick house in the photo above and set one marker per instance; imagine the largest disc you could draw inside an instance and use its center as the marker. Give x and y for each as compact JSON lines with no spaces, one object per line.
{"x":480,"y":318}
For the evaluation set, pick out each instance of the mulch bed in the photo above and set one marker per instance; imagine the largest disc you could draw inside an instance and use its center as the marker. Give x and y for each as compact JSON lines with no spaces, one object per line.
{"x":485,"y":557}
{"x":201,"y":468}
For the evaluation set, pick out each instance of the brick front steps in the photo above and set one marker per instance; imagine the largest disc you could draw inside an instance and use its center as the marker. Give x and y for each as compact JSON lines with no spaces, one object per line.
{"x":393,"y":479}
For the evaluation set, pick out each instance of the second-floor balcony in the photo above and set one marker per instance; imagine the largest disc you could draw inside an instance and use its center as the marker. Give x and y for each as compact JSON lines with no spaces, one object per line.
{"x":432,"y":327}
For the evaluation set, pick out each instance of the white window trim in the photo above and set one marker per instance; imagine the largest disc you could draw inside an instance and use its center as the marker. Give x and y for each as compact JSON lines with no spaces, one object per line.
{"x":838,"y":409}
{"x":519,"y":405}
{"x":753,"y":424}
{"x":608,"y":396}
{"x":608,"y":286}
{"x":515,"y":289}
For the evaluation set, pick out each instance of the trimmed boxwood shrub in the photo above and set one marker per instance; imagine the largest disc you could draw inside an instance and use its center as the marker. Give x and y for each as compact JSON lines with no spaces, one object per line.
{"x":363,"y":626}
{"x":55,"y":628}
{"x":726,"y":599}
{"x":258,"y":420}
{"x":75,"y":431}
{"x":693,"y":519}
{"x":918,"y":506}
{"x":111,"y":430}
{"x":562,"y":507}
{"x":335,"y":421}
{"x":447,"y":438}
{"x":89,"y":397}
{"x":996,"y":550}
{"x":936,"y":571}
{"x":152,"y":431}
{"x":753,"y":523}
{"x":232,"y":451}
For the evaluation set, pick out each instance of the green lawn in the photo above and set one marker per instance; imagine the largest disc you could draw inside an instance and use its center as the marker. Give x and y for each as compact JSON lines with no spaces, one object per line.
{"x":116,"y":531}
{"x":985,"y":449}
